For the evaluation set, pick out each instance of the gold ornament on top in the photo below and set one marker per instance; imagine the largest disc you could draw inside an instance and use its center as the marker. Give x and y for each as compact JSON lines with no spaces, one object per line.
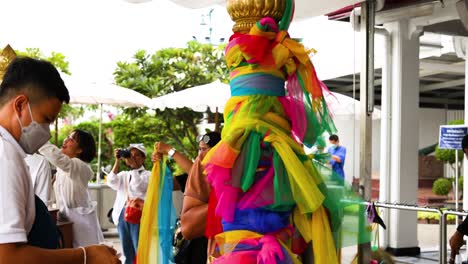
{"x":6,"y":57}
{"x":245,"y":13}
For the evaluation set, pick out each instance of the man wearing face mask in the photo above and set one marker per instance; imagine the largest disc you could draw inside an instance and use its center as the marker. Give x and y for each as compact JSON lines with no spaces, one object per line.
{"x":31,"y":96}
{"x":130,"y":185}
{"x":338,"y":155}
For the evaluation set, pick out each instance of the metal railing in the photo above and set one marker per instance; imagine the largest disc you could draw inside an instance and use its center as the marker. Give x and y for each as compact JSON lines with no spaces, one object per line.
{"x":442,"y":221}
{"x":443,"y":232}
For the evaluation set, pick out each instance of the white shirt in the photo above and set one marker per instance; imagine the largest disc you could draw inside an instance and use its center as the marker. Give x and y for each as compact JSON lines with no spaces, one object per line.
{"x":136,"y":181}
{"x":41,"y":176}
{"x":71,"y":183}
{"x":18,"y":209}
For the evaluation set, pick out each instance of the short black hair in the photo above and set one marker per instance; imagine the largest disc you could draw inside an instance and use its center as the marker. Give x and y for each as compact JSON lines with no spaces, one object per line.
{"x":215,"y":137}
{"x":465,"y":142}
{"x":86,"y":143}
{"x":334,"y":138}
{"x":25,"y":72}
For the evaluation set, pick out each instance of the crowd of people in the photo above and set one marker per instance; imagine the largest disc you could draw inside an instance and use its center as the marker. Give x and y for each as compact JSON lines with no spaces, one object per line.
{"x":31,"y":96}
{"x":38,"y":174}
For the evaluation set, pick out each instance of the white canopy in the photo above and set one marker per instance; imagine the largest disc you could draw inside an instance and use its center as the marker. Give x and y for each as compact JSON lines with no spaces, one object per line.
{"x":215,"y":95}
{"x":82,"y":92}
{"x":199,"y":98}
{"x":345,"y":106}
{"x":304,"y":8}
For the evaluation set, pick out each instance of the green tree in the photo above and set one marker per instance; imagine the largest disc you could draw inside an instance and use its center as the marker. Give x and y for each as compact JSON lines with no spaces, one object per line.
{"x":170,"y":70}
{"x":56,"y":58}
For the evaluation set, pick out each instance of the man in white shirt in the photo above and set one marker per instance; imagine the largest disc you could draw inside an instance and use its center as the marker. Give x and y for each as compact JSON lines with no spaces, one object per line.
{"x":41,"y":176}
{"x":129,"y":184}
{"x":31,"y":96}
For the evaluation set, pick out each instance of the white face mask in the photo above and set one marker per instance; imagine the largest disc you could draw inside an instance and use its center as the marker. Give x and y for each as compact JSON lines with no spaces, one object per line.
{"x":33,"y":136}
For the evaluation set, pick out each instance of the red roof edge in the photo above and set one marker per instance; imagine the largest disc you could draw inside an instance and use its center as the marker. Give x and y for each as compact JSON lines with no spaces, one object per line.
{"x":341,"y":13}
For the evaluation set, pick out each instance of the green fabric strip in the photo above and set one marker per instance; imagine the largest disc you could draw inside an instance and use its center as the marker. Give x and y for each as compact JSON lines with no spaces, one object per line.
{"x":253,"y":151}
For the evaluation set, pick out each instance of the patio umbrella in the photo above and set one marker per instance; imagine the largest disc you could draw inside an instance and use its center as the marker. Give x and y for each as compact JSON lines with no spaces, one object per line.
{"x":199,"y":98}
{"x":92,"y":93}
{"x":215,"y":95}
{"x":345,"y":106}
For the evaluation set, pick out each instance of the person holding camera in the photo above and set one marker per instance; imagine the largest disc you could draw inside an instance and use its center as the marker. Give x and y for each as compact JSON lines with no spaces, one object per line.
{"x":131,"y":186}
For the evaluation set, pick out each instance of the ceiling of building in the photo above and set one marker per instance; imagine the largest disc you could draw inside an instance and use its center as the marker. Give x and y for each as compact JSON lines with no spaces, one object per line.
{"x":442,"y":83}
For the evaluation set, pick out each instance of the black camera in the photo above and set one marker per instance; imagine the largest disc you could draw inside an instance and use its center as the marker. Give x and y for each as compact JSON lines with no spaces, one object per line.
{"x":123,"y":153}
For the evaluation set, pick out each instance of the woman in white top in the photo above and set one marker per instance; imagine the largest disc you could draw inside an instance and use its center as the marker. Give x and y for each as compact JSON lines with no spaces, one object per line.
{"x":71,"y":185}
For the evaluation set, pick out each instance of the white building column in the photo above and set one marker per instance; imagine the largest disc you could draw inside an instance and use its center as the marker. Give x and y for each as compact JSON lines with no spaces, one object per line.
{"x":385,"y":133}
{"x":402,"y":228}
{"x":461,"y":47}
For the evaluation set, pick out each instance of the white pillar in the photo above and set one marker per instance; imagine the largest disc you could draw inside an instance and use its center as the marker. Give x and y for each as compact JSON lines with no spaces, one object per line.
{"x":465,"y":162}
{"x":385,"y":133}
{"x":404,"y":137}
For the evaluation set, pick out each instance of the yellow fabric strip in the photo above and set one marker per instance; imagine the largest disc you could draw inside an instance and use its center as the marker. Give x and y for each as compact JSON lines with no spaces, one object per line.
{"x":317,"y":230}
{"x":148,"y":243}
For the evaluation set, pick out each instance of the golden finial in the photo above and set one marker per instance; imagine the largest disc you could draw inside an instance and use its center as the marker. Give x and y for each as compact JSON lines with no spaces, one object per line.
{"x":245,"y":13}
{"x":7,"y":56}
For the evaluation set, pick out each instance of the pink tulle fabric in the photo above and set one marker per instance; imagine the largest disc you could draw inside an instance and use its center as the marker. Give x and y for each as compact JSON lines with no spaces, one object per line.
{"x":261,"y":193}
{"x":271,"y":249}
{"x":220,"y":179}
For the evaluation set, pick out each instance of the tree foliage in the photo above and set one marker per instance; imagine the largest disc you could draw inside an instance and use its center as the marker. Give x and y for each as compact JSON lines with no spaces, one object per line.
{"x":169,"y":70}
{"x":448,"y":155}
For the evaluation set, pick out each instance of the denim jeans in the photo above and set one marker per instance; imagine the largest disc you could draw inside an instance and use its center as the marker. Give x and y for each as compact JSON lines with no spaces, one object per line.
{"x":128,"y":234}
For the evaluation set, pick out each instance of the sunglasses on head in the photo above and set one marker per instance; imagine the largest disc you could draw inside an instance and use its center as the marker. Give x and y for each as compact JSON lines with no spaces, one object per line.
{"x":204,"y":138}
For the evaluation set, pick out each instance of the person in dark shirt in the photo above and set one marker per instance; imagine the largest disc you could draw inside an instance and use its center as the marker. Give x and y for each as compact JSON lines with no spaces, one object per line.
{"x":456,"y":241}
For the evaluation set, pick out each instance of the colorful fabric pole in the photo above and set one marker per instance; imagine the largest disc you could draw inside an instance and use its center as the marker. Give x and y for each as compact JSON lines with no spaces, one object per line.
{"x":159,"y":218}
{"x":263,"y":181}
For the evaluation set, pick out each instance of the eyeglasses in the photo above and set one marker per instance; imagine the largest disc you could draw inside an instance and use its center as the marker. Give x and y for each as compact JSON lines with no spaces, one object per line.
{"x":70,"y":137}
{"x":204,"y":138}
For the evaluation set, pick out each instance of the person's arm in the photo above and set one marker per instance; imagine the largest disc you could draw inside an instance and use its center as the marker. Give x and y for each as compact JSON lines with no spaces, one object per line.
{"x":184,"y":163}
{"x":340,"y":155}
{"x":17,"y":189}
{"x":115,"y":178}
{"x":55,"y":156}
{"x":43,"y":184}
{"x":456,"y":240}
{"x":193,"y":218}
{"x":22,"y":253}
{"x":195,"y":205}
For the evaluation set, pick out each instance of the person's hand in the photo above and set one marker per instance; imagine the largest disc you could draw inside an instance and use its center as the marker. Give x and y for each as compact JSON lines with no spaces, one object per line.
{"x":101,"y":254}
{"x":156,"y":157}
{"x":116,"y":151}
{"x":456,"y":242}
{"x":162,"y":147}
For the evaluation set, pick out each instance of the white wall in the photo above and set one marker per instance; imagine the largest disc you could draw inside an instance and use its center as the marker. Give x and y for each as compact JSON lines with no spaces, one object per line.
{"x":429,"y":122}
{"x":348,"y":131}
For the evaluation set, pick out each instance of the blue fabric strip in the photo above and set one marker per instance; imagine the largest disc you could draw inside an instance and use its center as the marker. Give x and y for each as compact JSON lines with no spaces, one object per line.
{"x":257,"y":84}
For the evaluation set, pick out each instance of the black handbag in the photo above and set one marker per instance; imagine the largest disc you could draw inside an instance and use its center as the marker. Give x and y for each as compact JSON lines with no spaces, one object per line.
{"x":180,"y":245}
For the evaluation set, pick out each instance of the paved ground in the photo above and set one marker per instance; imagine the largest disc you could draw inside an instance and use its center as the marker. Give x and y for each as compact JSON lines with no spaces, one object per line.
{"x":428,"y":236}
